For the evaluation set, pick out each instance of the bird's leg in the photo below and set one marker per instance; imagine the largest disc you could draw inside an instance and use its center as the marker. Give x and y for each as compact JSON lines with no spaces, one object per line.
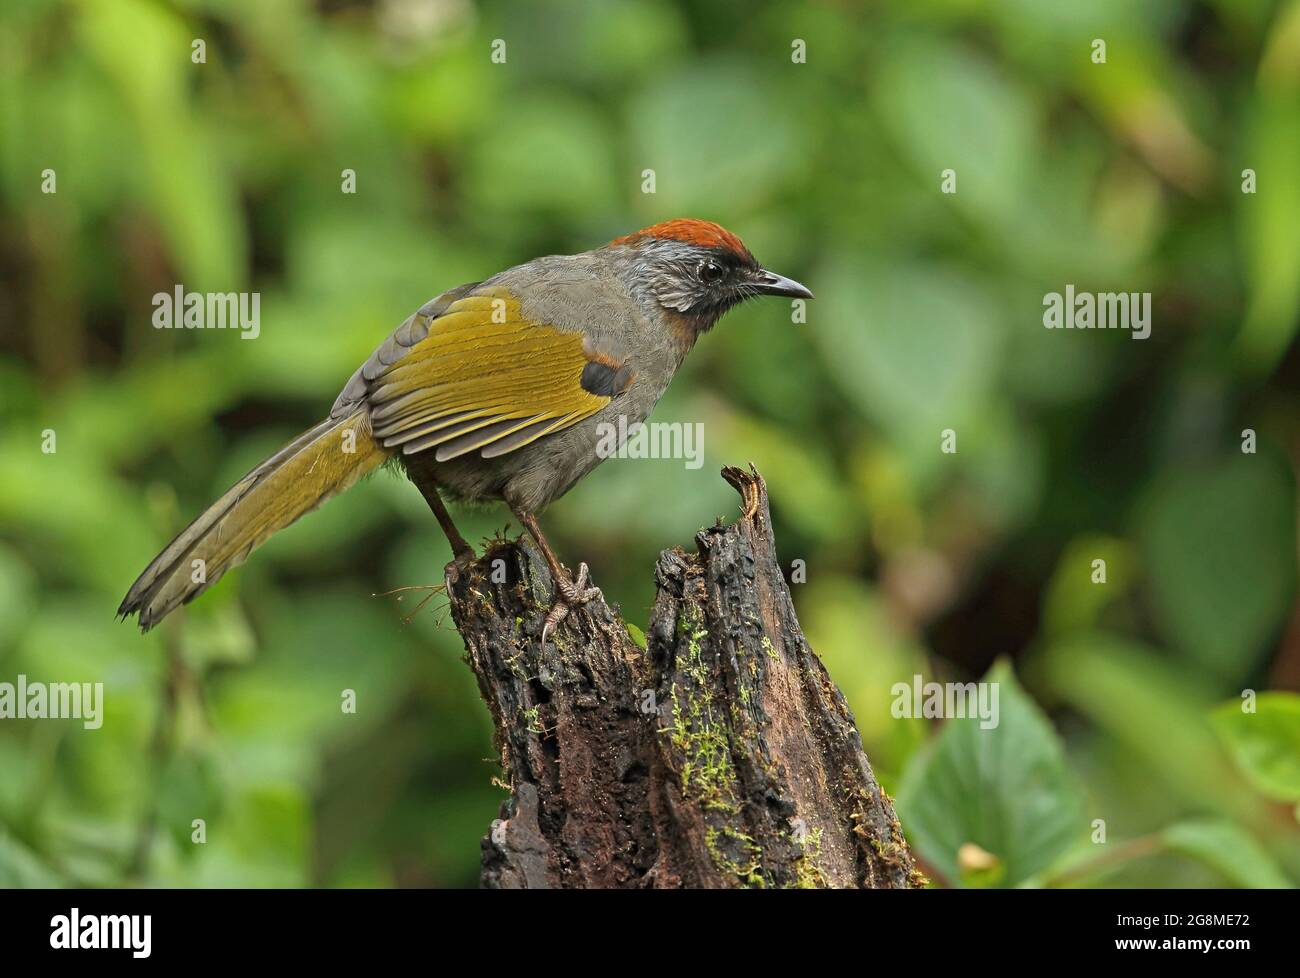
{"x":462,"y":550}
{"x":569,"y":593}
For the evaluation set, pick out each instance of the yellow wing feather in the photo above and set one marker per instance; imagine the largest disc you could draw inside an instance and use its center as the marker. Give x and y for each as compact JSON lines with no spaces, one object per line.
{"x":483,"y":378}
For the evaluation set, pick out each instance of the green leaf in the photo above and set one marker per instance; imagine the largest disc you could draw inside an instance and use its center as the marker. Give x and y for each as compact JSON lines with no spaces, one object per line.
{"x":20,"y":868}
{"x":141,"y":49}
{"x":188,"y":789}
{"x":1270,"y":233}
{"x":1007,"y":790}
{"x":17,"y":598}
{"x":1152,"y":709}
{"x":686,"y":127}
{"x":916,"y":346}
{"x":1229,"y":850}
{"x":1075,"y":599}
{"x":1265,"y":744}
{"x":1220,"y":544}
{"x":544,"y":152}
{"x":948,"y":108}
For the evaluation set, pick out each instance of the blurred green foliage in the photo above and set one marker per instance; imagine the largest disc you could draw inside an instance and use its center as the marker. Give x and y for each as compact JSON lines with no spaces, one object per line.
{"x":1072,"y":446}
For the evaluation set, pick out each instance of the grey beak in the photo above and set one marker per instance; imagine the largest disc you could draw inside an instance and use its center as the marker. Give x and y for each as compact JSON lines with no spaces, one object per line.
{"x":770,"y":283}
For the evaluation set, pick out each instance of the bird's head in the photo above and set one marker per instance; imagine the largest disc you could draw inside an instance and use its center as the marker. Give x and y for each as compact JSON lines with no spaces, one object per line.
{"x":697,"y":270}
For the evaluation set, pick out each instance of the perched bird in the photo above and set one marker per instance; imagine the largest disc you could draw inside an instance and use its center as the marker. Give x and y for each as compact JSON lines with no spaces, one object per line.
{"x":492,"y":390}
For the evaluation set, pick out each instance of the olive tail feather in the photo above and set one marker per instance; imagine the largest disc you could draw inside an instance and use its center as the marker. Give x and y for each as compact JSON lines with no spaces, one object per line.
{"x":318,"y":464}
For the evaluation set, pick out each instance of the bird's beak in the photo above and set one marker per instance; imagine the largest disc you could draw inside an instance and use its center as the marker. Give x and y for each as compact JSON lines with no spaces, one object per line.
{"x":770,"y":283}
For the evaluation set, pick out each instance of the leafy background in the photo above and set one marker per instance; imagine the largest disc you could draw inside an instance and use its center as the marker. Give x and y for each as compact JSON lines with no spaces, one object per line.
{"x":1119,"y":701}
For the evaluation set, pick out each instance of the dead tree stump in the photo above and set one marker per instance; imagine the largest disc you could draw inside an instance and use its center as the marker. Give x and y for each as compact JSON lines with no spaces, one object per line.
{"x":719,"y":755}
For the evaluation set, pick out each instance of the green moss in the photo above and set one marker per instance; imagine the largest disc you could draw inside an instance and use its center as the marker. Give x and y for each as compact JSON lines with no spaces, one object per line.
{"x":735,"y":853}
{"x":808,"y":873}
{"x":697,"y":734}
{"x":893,"y":853}
{"x":701,"y":734}
{"x":516,"y":667}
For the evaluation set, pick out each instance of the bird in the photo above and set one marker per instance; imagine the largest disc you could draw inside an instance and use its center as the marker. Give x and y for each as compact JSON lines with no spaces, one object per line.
{"x":491,"y":391}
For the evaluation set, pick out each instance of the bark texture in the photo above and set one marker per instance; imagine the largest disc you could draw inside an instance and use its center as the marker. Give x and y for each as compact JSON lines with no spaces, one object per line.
{"x":719,"y":755}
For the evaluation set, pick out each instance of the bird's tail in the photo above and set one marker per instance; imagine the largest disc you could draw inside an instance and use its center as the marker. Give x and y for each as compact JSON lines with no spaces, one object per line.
{"x":316,"y":465}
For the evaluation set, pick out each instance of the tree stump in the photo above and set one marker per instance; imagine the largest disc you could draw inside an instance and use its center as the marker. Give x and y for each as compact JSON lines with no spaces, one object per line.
{"x":720,"y":754}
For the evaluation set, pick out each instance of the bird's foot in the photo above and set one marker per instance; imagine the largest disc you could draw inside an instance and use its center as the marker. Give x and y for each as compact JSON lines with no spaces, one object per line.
{"x":458,"y":566}
{"x":570,"y":594}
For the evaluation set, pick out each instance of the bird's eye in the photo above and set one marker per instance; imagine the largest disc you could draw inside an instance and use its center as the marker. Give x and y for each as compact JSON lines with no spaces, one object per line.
{"x":710,"y":272}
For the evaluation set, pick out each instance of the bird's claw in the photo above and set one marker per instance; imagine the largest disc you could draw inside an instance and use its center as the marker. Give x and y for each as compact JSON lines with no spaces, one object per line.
{"x":570,"y":594}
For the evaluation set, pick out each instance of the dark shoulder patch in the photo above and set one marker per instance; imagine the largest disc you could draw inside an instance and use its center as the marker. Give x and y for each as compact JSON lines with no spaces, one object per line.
{"x":605,"y":380}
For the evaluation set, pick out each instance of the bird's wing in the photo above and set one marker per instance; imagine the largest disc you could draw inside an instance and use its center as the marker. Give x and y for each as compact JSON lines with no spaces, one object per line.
{"x":478,"y":376}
